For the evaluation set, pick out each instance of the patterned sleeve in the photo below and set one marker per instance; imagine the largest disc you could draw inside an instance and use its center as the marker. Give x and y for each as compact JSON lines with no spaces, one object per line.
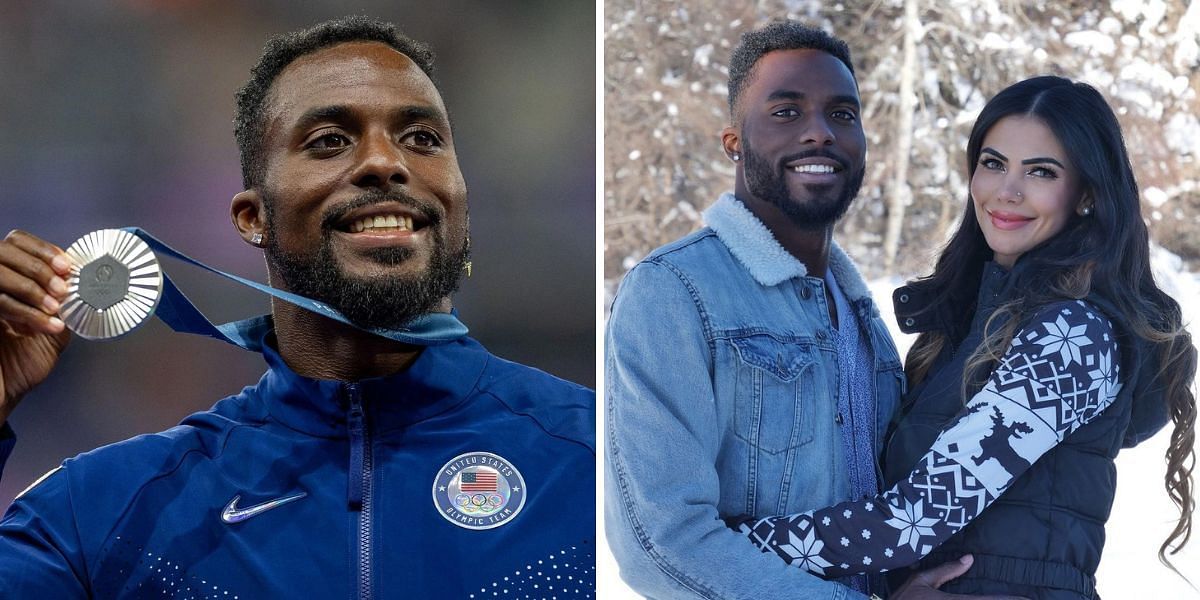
{"x":1060,"y":371}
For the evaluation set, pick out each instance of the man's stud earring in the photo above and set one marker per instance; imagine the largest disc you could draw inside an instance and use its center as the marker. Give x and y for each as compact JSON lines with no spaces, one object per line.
{"x":736,"y":157}
{"x":257,"y":238}
{"x":1087,"y":210}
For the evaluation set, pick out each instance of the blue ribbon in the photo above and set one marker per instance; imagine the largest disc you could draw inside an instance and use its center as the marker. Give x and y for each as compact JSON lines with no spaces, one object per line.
{"x":180,"y":314}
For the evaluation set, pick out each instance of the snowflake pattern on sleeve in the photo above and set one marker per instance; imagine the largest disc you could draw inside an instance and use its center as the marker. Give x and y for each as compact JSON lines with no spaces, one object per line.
{"x":1059,"y":372}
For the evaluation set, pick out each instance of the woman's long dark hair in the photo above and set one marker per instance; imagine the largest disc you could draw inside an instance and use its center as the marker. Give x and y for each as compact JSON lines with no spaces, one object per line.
{"x":1106,"y":253}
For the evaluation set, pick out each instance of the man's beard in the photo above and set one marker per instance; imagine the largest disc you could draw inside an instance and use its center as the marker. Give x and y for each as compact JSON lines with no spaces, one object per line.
{"x":370,"y":302}
{"x":766,"y":182}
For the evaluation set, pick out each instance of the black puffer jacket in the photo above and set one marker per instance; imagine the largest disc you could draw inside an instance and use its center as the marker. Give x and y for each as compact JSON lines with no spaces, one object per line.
{"x":1043,"y":537}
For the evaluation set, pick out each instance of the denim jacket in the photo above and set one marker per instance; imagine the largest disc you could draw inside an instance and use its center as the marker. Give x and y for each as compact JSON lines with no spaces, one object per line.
{"x":721,"y":377}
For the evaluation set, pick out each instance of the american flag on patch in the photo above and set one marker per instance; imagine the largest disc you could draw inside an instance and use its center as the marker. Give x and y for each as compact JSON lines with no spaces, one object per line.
{"x":478,"y":481}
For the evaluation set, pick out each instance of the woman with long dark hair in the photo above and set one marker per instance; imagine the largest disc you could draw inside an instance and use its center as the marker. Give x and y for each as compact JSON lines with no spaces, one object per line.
{"x":1045,"y":347}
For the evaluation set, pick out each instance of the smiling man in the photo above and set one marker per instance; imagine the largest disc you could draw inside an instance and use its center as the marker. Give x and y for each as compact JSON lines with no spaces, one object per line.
{"x":747,"y":368}
{"x":358,"y":466}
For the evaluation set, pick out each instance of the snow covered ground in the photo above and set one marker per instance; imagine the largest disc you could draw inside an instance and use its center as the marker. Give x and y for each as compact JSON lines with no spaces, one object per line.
{"x":1142,"y":514}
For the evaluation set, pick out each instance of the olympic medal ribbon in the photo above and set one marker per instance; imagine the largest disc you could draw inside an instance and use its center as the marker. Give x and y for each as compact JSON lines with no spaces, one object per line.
{"x":174,"y":308}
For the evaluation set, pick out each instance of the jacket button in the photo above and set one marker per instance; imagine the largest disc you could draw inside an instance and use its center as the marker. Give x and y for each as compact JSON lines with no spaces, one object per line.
{"x":908,"y":322}
{"x":838,"y":419}
{"x":805,"y":292}
{"x":903,"y":298}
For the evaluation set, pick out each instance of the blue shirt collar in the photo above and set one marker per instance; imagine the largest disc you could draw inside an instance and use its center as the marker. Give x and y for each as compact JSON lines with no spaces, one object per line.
{"x":439,"y":379}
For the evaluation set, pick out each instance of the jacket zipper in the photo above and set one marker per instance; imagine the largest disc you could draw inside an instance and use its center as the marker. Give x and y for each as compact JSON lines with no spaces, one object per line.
{"x":359,"y":491}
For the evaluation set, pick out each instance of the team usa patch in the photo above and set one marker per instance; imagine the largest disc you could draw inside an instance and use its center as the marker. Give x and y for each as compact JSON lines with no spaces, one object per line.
{"x":479,"y":490}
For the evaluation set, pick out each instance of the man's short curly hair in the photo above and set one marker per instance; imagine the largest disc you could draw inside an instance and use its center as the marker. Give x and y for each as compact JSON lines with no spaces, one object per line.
{"x":779,"y":35}
{"x":249,"y":122}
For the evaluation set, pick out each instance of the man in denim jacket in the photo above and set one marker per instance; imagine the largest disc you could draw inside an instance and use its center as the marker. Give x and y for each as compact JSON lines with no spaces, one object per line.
{"x":748,"y":370}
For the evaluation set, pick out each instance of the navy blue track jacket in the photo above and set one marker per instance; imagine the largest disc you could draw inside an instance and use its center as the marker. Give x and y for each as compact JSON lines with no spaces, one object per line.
{"x":465,"y":476}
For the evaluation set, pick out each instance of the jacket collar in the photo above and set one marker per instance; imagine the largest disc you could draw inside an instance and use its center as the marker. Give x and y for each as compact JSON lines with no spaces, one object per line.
{"x":909,"y":303}
{"x":442,"y":377}
{"x":761,"y":254}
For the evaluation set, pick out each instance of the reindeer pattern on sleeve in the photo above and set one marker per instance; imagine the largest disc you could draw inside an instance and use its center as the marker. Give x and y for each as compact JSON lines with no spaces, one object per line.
{"x":1060,"y":371}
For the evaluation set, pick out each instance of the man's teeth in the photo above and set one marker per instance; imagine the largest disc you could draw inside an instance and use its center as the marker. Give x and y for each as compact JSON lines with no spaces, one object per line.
{"x":397,"y":222}
{"x":826,"y":169}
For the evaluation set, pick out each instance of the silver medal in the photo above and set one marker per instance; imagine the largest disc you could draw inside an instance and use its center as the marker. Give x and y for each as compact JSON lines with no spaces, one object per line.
{"x":114,"y":286}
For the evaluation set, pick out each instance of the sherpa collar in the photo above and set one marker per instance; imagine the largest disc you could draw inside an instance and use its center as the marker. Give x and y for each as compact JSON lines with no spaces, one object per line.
{"x":757,"y":249}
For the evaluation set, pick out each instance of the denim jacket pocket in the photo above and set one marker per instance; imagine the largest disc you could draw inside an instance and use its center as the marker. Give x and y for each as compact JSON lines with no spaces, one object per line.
{"x":773,"y":397}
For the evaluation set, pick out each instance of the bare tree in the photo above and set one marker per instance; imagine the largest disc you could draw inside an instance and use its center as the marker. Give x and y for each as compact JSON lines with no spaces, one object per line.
{"x":901,"y":194}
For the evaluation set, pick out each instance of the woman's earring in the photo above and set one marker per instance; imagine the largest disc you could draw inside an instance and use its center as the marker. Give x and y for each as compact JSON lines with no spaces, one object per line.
{"x":1087,"y":210}
{"x":736,"y":157}
{"x":257,"y":238}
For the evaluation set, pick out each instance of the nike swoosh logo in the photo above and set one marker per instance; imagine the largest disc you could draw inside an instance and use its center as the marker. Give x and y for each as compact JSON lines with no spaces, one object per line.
{"x":233,"y":514}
